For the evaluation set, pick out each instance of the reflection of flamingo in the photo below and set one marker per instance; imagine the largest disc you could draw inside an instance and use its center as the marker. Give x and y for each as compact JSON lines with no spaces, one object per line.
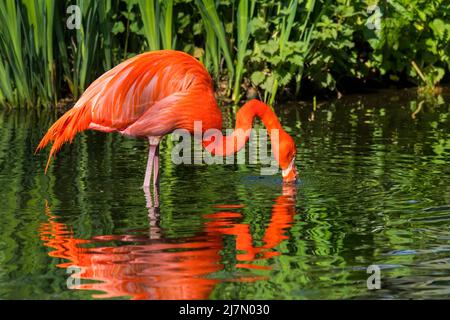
{"x":156,"y":93}
{"x":157,"y":268}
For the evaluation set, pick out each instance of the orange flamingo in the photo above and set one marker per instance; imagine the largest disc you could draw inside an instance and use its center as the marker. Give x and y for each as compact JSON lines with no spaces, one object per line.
{"x":155,"y":93}
{"x":157,"y":268}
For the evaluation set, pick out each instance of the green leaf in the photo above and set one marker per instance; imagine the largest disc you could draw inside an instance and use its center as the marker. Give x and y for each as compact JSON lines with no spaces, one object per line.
{"x":118,"y":28}
{"x":257,"y":77}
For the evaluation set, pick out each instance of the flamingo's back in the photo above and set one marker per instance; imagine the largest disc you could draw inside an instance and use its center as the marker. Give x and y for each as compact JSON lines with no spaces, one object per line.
{"x":151,"y":94}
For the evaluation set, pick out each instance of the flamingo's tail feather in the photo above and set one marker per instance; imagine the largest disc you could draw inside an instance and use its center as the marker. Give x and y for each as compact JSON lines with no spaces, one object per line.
{"x":64,"y":129}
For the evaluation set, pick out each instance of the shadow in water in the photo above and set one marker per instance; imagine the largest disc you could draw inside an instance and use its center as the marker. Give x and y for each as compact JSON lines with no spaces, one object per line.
{"x":150,"y":266}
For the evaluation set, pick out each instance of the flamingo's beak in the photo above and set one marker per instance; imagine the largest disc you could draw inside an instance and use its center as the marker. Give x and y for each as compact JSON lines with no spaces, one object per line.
{"x":290,"y":173}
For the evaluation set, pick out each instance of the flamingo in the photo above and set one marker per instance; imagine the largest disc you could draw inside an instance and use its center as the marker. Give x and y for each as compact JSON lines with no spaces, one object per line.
{"x":155,"y":93}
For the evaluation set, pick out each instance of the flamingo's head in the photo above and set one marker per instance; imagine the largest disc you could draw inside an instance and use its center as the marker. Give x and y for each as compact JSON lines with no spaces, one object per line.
{"x":286,"y":157}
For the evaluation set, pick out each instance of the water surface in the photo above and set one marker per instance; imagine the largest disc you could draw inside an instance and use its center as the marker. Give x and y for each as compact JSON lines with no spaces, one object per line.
{"x":374,"y":190}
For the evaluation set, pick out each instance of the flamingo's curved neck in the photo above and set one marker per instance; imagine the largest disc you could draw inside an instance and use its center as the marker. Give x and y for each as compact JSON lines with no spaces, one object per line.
{"x":230,"y":144}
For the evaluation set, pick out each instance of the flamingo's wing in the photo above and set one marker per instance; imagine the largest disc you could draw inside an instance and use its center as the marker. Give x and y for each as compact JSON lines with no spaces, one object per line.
{"x":126,"y":94}
{"x":122,"y":95}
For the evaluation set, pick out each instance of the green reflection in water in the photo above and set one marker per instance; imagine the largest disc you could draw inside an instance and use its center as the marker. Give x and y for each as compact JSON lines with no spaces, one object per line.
{"x":374,"y":190}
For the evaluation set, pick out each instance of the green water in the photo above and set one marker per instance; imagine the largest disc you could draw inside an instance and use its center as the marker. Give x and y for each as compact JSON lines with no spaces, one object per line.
{"x":374,"y":190}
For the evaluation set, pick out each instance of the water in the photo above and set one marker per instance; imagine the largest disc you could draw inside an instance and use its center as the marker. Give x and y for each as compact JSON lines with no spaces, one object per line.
{"x":374,"y":190}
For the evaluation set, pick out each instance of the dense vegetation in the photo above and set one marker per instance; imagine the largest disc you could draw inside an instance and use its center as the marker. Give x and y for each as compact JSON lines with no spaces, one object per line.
{"x":275,"y":49}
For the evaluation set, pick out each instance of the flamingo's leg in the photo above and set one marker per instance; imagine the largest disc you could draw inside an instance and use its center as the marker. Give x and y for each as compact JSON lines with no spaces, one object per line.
{"x":148,"y":171}
{"x":156,"y":166}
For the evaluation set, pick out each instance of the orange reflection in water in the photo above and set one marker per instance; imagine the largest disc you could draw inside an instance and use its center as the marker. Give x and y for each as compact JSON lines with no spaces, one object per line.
{"x":153,"y":267}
